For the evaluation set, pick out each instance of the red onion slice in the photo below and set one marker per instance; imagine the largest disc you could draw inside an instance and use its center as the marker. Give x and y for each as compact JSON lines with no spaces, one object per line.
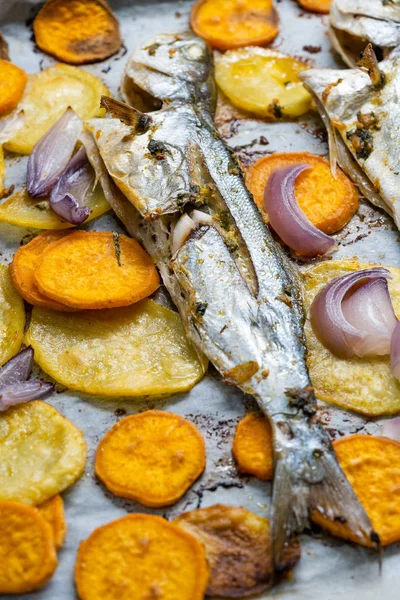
{"x":17,"y":369}
{"x":67,"y":198}
{"x":287,"y":218}
{"x":390,"y":428}
{"x":24,"y":391}
{"x":353,"y":315}
{"x":395,"y":352}
{"x":51,"y":154}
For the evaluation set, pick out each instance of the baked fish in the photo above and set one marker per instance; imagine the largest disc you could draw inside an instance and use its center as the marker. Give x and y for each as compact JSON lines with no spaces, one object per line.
{"x":354,"y":23}
{"x":236,"y":291}
{"x":361,"y":112}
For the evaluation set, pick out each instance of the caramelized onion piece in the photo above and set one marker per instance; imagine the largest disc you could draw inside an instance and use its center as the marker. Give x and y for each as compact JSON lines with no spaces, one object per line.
{"x":17,"y":369}
{"x":395,"y":352}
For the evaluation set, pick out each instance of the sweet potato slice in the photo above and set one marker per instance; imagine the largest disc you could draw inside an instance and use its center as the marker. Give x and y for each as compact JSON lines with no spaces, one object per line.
{"x":226,"y":24}
{"x":143,"y":555}
{"x":365,"y":385}
{"x":12,"y":317}
{"x":53,"y":512}
{"x":12,"y":84}
{"x":319,"y":6}
{"x":96,"y":270}
{"x":23,"y":266}
{"x":41,"y":453}
{"x":153,"y":457}
{"x":47,"y":96}
{"x":77,"y":31}
{"x":27,"y":555}
{"x":372,"y":465}
{"x":238,"y":549}
{"x":252,"y":446}
{"x":328,"y":202}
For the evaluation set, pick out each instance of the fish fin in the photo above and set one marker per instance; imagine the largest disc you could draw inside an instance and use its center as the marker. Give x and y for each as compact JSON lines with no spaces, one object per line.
{"x":127,"y":114}
{"x":296,"y":497}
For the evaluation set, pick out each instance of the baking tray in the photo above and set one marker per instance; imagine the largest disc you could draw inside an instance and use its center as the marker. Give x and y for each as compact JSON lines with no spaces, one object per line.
{"x":328,"y":567}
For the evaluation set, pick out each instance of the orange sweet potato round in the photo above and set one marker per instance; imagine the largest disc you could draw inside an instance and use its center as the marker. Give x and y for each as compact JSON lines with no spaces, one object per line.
{"x":96,"y":270}
{"x":327,"y":202}
{"x":152,"y":457}
{"x":12,"y":84}
{"x":23,"y":267}
{"x":252,"y":447}
{"x":319,"y":6}
{"x":53,"y":512}
{"x":143,"y":557}
{"x":226,"y":24}
{"x":27,"y":555}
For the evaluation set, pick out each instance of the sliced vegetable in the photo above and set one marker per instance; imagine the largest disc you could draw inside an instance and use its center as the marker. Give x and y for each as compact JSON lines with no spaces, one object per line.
{"x":252,"y":446}
{"x":12,"y":317}
{"x":287,"y":218}
{"x":77,"y":31}
{"x":28,"y":556}
{"x":395,"y":351}
{"x":135,"y":351}
{"x":10,"y":125}
{"x":25,"y":391}
{"x":226,"y":24}
{"x":23,"y":267}
{"x":12,"y":84}
{"x":390,"y":428}
{"x":41,"y":453}
{"x":263,"y":81}
{"x":328,"y":202}
{"x":47,"y":96}
{"x":153,"y":457}
{"x":353,"y":315}
{"x":146,"y":557}
{"x":53,"y":512}
{"x":17,"y":369}
{"x":52,"y":153}
{"x":372,"y":466}
{"x":319,"y":6}
{"x":365,"y":385}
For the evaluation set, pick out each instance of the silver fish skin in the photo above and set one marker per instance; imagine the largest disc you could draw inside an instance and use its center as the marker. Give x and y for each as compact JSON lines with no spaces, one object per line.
{"x":236,"y":291}
{"x":368,"y":153}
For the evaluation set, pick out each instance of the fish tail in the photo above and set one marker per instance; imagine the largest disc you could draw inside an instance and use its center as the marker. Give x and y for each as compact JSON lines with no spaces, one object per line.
{"x":308,"y":480}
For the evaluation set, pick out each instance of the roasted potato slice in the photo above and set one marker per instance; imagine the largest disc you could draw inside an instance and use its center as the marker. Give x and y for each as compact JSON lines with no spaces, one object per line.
{"x":53,"y":511}
{"x":12,"y":317}
{"x":252,"y":446}
{"x":12,"y":84}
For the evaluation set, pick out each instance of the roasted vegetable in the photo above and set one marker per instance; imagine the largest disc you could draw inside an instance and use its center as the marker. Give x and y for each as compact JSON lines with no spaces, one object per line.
{"x":53,"y":511}
{"x":77,"y":31}
{"x":41,"y":453}
{"x":228,"y":24}
{"x":96,"y":270}
{"x":263,"y":81}
{"x":252,"y":446}
{"x":12,"y":317}
{"x":319,"y":6}
{"x":47,"y":96}
{"x":133,"y":351}
{"x":12,"y":84}
{"x":28,"y":556}
{"x":143,"y":555}
{"x":153,"y":457}
{"x":328,"y":202}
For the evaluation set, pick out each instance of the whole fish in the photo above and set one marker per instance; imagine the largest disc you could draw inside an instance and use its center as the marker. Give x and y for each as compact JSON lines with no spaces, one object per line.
{"x":361,"y":111}
{"x":354,"y":23}
{"x":236,"y":291}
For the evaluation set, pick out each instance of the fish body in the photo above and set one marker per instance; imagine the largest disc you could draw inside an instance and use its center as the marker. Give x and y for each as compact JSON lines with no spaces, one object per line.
{"x":236,"y":291}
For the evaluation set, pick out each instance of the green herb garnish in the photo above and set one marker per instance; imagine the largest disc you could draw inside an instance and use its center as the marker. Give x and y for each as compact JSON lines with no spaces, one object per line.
{"x":117,"y":247}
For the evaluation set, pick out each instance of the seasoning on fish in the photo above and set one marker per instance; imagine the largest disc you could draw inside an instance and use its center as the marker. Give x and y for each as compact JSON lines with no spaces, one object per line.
{"x":237,"y":293}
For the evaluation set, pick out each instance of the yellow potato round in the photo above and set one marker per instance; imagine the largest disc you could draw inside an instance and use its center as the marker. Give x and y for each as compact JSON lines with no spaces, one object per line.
{"x":22,"y":210}
{"x":365,"y":385}
{"x":2,"y":170}
{"x":46,"y":97}
{"x":132,"y":351}
{"x":263,"y":81}
{"x":41,"y":453}
{"x":12,"y":317}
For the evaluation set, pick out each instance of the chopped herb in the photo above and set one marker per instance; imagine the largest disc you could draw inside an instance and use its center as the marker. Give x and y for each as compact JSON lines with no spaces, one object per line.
{"x":362,"y":142}
{"x":158,"y":149}
{"x":153,"y":49}
{"x":201,"y":308}
{"x":117,"y":247}
{"x":41,"y":206}
{"x":276,"y":109}
{"x":224,"y":220}
{"x":286,"y":83}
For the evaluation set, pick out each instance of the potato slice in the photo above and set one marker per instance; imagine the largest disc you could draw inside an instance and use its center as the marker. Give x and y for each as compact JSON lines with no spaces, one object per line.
{"x":41,"y":453}
{"x":143,"y":556}
{"x":262,"y":81}
{"x":319,"y":6}
{"x":153,"y":457}
{"x":2,"y":171}
{"x":12,"y":317}
{"x":134,"y":351}
{"x":238,"y":549}
{"x":365,"y":385}
{"x":22,"y":210}
{"x":252,"y":446}
{"x":47,"y":96}
{"x":27,"y":555}
{"x":226,"y":24}
{"x":12,"y":84}
{"x":77,"y":31}
{"x":53,"y":512}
